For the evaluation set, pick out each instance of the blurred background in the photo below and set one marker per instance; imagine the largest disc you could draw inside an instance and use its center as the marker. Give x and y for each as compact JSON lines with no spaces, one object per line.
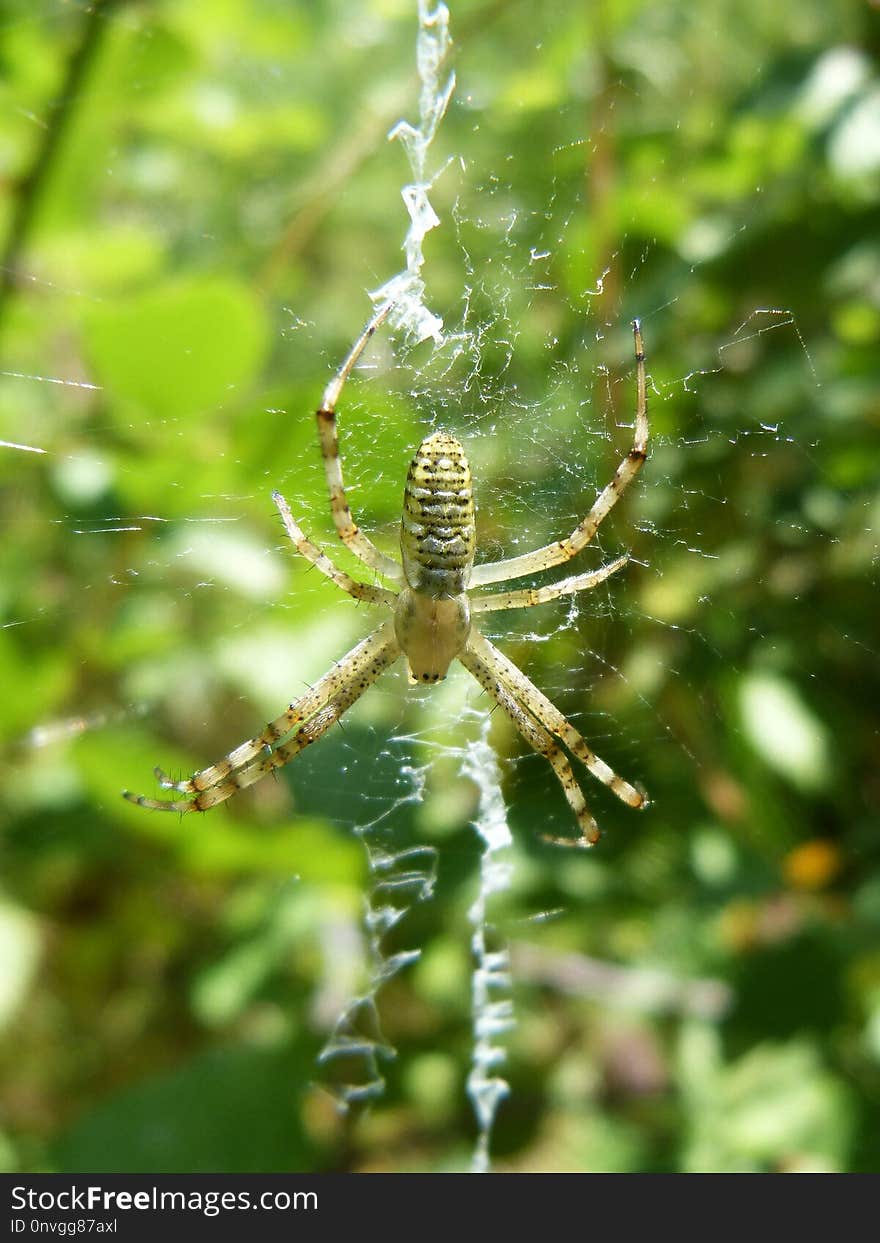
{"x":196,"y":199}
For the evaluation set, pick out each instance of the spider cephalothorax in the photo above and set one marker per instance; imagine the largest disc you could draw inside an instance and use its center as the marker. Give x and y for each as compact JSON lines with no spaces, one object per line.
{"x":431,"y":623}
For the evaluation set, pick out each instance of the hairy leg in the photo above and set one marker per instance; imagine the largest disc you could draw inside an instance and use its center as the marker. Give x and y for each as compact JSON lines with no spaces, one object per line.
{"x":541,"y":741}
{"x":357,"y":670}
{"x":553,"y":720}
{"x":562,"y":550}
{"x":528,"y":597}
{"x":319,"y":559}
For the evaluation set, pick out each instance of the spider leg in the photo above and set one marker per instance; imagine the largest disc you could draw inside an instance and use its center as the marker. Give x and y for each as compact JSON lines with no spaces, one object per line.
{"x":250,"y":774}
{"x":319,"y":559}
{"x":351,"y":675}
{"x":528,"y":597}
{"x":550,"y":717}
{"x":541,"y":741}
{"x":562,"y":550}
{"x":346,"y":528}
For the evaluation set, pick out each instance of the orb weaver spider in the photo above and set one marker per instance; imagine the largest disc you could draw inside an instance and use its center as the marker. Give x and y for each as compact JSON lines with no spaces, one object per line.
{"x":431,"y":612}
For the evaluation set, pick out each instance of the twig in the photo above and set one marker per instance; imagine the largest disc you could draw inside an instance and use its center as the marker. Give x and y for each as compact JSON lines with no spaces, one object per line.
{"x":637,"y":988}
{"x":61,"y":112}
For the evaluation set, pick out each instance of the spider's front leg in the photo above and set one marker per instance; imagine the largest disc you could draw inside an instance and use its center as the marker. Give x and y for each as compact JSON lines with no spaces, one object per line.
{"x":537,"y":718}
{"x":310,"y":716}
{"x":540,"y":741}
{"x":550,"y":716}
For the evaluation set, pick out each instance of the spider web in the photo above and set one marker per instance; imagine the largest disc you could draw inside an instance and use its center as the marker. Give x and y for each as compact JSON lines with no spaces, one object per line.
{"x":542,"y":438}
{"x":401,"y":878}
{"x":455,"y":377}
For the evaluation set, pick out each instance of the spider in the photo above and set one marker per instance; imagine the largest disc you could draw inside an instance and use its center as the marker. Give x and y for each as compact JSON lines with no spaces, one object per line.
{"x":431,"y":622}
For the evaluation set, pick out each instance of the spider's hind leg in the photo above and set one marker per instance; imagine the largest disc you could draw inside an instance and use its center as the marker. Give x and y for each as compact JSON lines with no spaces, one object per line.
{"x":328,"y":437}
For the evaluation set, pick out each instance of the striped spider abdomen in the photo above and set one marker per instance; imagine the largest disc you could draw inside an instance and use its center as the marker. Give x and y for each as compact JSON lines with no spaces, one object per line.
{"x":437,"y":541}
{"x":437,"y":529}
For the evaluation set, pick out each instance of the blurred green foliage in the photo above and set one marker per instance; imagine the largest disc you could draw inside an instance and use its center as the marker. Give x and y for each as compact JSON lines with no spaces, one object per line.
{"x":196,"y":197}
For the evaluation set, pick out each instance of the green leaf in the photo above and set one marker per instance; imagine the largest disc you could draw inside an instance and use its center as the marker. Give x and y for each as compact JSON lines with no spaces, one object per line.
{"x":784,"y":730}
{"x":228,"y":1110}
{"x":180,"y":348}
